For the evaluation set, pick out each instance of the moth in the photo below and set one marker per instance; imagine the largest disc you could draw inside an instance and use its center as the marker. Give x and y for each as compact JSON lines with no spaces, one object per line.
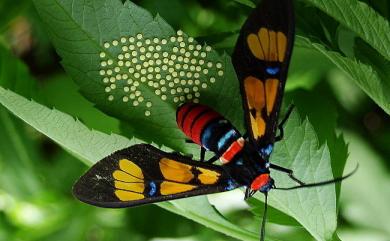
{"x":143,"y":174}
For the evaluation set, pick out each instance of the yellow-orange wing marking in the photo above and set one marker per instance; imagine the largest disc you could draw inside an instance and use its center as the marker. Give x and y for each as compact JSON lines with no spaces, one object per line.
{"x":208,"y":176}
{"x":129,"y":181}
{"x":131,"y":168}
{"x":254,"y":89}
{"x":282,"y":46}
{"x":128,"y":196}
{"x":133,"y":187}
{"x":268,"y":45}
{"x":258,"y":97}
{"x":167,"y":188}
{"x":254,"y":45}
{"x":125,"y":177}
{"x":271,"y":90}
{"x":176,"y":171}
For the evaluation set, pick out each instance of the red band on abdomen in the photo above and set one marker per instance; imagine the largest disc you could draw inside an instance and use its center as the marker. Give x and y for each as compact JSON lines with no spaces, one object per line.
{"x":201,"y":123}
{"x":181,"y":112}
{"x":191,"y":117}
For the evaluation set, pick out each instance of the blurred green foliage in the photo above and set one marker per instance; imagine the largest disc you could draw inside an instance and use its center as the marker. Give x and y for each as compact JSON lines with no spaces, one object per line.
{"x":338,"y":79}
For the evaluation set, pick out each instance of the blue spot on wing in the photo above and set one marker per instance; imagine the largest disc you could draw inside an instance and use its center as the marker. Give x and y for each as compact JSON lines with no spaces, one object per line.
{"x":240,"y":162}
{"x":153,"y":189}
{"x":272,"y":70}
{"x":231,"y":185}
{"x":266,"y":151}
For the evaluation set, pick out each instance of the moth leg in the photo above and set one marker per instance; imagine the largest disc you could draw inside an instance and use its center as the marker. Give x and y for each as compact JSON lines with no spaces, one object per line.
{"x":202,"y":149}
{"x":280,"y":127}
{"x":289,"y":172}
{"x":247,"y":193}
{"x":212,"y":160}
{"x":202,"y":153}
{"x":181,"y":154}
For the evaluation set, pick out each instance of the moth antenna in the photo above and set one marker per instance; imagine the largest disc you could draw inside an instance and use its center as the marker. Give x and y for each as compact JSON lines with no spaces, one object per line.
{"x":316,"y":184}
{"x":262,"y":233}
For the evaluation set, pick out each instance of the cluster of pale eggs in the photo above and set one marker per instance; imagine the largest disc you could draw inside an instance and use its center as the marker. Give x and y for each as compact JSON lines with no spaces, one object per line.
{"x":175,"y":68}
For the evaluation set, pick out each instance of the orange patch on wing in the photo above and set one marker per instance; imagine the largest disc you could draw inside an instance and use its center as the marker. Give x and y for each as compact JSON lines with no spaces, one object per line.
{"x":264,"y":42}
{"x":131,"y":168}
{"x":255,"y":47}
{"x":271,"y":88}
{"x":258,"y":126}
{"x":176,"y":171}
{"x":208,"y":176}
{"x":128,"y":196}
{"x":273,"y":52}
{"x":268,"y":45}
{"x":167,"y":188}
{"x":255,"y":94}
{"x":254,"y":89}
{"x":133,"y":187}
{"x":282,"y":46}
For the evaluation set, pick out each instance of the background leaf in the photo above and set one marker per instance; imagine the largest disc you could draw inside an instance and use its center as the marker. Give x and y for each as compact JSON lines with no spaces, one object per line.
{"x":15,"y":75}
{"x":248,"y":3}
{"x":362,"y":20}
{"x":364,"y":75}
{"x":110,"y":51}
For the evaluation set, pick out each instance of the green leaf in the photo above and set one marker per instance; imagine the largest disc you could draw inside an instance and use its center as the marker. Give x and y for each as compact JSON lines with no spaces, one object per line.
{"x":62,"y":93}
{"x":68,"y":132}
{"x":200,"y":210}
{"x":9,"y":9}
{"x":136,"y":67}
{"x":324,"y":124}
{"x":373,"y":173}
{"x":92,"y":146}
{"x":314,"y":208}
{"x":273,"y":215}
{"x":16,"y":154}
{"x":17,"y":149}
{"x":361,"y":19}
{"x":248,"y":3}
{"x":364,"y":75}
{"x":14,"y":74}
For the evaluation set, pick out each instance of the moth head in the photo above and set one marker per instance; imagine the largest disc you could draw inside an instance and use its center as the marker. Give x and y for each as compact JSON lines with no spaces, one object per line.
{"x":263,"y":183}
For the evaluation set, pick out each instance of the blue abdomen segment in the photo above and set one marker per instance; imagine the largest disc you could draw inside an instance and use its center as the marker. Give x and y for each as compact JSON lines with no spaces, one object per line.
{"x":218,"y":136}
{"x":227,"y":138}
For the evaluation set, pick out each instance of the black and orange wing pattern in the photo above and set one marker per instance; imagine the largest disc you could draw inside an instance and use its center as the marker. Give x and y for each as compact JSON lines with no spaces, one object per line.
{"x":143,"y":174}
{"x":261,"y":59}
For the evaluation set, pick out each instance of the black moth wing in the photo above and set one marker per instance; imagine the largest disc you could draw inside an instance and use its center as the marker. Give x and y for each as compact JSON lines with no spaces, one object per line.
{"x":262,"y":61}
{"x":165,"y":176}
